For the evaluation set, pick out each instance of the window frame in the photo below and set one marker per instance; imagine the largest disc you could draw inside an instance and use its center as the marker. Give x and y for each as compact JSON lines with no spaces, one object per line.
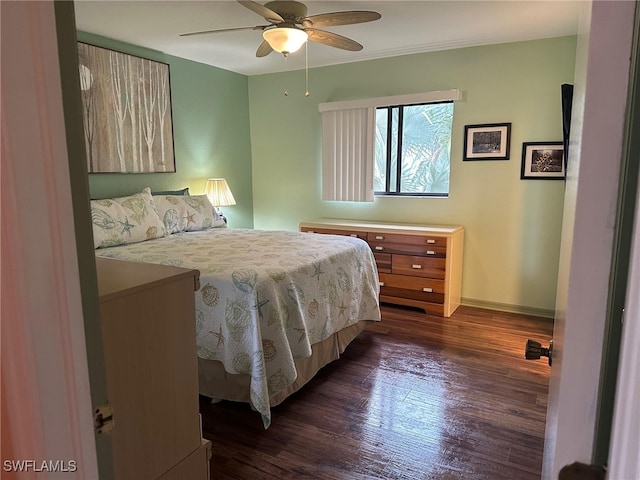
{"x":398,"y":174}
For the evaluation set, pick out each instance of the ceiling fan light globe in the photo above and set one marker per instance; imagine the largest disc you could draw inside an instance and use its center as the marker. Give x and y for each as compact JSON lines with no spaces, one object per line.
{"x":284,"y":39}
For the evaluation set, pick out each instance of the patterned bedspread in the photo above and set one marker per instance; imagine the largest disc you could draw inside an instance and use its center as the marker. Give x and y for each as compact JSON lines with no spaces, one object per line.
{"x":267,"y":296}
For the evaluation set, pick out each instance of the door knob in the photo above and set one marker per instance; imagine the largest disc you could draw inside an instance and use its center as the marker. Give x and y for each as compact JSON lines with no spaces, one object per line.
{"x":534,"y":350}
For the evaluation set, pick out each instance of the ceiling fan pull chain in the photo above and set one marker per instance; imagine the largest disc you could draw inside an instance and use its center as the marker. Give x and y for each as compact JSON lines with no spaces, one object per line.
{"x":306,"y":68}
{"x":286,"y":76}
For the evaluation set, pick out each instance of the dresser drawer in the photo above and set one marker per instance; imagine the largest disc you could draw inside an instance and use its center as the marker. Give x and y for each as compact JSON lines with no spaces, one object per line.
{"x":383,"y":262}
{"x":425,"y":289}
{"x":418,"y":266}
{"x":408,"y":249}
{"x":426,"y":240}
{"x":335,"y":231}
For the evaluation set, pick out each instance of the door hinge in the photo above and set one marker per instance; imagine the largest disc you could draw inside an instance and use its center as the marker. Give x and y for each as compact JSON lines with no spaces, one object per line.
{"x":103,"y":418}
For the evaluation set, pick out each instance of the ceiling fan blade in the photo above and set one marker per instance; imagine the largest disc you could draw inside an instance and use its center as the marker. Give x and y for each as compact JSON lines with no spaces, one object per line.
{"x":264,"y":49}
{"x":259,"y":27}
{"x":268,"y":14}
{"x":339,"y":18}
{"x":333,"y":40}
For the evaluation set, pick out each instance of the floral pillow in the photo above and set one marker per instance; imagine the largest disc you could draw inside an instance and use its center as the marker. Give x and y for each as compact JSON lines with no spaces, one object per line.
{"x":187,"y":213}
{"x":117,"y":221}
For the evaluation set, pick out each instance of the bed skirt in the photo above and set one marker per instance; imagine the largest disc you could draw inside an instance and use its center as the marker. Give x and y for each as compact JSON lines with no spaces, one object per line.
{"x":217,"y":384}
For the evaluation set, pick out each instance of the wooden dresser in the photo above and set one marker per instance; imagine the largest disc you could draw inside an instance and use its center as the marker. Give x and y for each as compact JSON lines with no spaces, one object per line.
{"x":147,"y":313}
{"x":418,"y":265}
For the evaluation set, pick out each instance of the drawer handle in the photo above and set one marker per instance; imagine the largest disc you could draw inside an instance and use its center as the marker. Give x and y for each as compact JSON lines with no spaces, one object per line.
{"x":381,"y":284}
{"x":416,"y":266}
{"x":354,"y":235}
{"x":430,"y":252}
{"x":427,"y":289}
{"x":310,"y":231}
{"x":379,"y":237}
{"x":430,"y":240}
{"x":378,"y":247}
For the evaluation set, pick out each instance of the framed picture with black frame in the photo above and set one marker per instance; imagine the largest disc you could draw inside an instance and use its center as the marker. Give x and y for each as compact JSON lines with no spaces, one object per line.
{"x":491,"y":141}
{"x":542,"y":161}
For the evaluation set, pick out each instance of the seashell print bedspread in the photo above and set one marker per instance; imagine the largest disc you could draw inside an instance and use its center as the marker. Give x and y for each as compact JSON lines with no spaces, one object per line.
{"x":267,"y":296}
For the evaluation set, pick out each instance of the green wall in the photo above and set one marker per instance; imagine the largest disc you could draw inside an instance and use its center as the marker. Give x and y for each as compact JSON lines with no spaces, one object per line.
{"x":211,"y":133}
{"x":512,"y":226}
{"x":267,"y":145}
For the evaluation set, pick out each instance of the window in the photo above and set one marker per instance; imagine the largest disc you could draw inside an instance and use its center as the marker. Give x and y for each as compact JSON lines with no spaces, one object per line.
{"x":412,"y":149}
{"x":398,"y":145}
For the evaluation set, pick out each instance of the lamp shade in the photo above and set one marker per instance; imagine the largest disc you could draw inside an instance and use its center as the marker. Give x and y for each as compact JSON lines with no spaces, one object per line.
{"x":218,"y":192}
{"x":285,"y":39}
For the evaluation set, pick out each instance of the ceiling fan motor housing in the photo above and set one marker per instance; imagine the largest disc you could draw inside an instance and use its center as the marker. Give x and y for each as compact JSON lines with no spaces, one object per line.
{"x":289,"y":10}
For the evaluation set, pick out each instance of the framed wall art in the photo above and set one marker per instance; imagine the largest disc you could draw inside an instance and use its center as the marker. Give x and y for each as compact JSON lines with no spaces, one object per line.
{"x":126,"y":104}
{"x":490,"y":141}
{"x":543,"y":161}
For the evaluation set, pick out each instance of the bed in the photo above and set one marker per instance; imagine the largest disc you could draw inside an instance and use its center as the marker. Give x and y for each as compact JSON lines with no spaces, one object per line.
{"x":273,"y":307}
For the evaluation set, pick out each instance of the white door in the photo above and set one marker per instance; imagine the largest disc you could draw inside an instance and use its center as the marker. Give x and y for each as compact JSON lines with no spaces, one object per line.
{"x":47,"y":425}
{"x":600,"y":96}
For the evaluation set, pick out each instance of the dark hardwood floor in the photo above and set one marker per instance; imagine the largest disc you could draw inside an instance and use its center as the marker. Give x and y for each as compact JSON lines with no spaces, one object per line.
{"x":414,"y":397}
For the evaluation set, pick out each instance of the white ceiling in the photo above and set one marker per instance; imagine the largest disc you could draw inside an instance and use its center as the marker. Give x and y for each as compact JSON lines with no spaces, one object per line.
{"x":406,"y":27}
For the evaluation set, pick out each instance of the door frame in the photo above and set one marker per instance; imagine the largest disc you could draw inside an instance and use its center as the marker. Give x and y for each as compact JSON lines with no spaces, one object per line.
{"x":79,"y":184}
{"x":621,"y":266}
{"x":591,"y":192}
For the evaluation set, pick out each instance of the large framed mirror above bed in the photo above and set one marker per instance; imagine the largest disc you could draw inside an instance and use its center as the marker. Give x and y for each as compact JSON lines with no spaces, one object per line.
{"x":274,"y":306}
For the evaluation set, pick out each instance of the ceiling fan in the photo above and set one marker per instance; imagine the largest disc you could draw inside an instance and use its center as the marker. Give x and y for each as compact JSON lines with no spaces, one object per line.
{"x":289,"y":26}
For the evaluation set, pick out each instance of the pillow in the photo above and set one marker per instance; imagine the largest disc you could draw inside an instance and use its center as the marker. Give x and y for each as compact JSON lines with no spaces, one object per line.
{"x":132,"y":219}
{"x":184,"y":191}
{"x":187,"y":213}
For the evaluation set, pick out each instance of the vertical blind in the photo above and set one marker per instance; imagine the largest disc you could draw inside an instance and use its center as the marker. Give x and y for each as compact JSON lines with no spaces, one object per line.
{"x":348,"y":143}
{"x":347,"y":154}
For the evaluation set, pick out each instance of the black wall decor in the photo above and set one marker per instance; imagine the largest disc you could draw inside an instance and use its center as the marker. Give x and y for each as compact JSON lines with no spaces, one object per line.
{"x":567,"y":102}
